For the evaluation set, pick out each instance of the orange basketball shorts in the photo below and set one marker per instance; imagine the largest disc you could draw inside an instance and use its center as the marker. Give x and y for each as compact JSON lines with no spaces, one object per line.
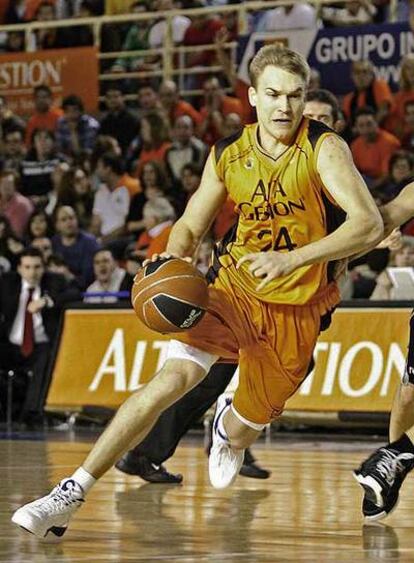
{"x":272,"y":343}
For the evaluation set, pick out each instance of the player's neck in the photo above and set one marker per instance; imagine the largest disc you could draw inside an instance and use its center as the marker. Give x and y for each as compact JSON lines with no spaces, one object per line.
{"x":269,"y":144}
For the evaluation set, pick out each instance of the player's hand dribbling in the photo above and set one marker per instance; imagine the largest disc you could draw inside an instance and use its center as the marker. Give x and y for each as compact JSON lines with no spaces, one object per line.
{"x":156,"y":257}
{"x":269,"y":265}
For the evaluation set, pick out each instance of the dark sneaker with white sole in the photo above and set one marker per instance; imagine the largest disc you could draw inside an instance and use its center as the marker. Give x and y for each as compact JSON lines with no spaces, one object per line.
{"x":381,"y":477}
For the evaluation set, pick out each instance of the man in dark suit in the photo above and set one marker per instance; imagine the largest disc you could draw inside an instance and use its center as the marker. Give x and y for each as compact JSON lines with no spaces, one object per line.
{"x":31,"y":300}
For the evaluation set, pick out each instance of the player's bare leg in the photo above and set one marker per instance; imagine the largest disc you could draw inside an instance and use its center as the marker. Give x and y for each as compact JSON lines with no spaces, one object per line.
{"x":130,"y":425}
{"x":402,"y":413}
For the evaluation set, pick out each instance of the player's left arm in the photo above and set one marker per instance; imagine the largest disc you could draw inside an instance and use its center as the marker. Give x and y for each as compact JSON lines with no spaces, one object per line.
{"x":362,"y":229}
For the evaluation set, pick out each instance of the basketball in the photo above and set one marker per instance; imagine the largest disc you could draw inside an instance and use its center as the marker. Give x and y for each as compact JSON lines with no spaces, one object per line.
{"x":169,"y":295}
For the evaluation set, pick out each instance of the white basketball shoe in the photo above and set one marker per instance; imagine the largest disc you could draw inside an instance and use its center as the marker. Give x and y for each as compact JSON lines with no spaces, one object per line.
{"x":223,"y":463}
{"x":52,"y":512}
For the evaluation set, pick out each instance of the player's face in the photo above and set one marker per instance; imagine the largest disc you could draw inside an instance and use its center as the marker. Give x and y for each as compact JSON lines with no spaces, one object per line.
{"x":279,"y":99}
{"x":319,"y":112}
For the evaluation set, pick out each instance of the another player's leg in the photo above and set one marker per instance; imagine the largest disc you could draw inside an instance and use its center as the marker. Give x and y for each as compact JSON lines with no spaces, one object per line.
{"x":130,"y":425}
{"x":383,"y":473}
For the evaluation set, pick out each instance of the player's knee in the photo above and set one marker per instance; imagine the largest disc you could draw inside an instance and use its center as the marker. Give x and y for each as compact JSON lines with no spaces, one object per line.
{"x":176,"y":378}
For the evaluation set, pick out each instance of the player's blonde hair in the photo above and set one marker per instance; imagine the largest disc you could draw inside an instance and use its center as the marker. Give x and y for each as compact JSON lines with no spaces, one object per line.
{"x":280,"y":56}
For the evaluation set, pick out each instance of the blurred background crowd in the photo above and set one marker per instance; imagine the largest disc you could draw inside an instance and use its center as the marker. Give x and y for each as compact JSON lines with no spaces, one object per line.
{"x":87,"y":197}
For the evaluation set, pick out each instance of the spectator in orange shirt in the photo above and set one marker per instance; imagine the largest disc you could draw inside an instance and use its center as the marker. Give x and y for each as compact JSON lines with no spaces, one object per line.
{"x":173,"y":106}
{"x":217,"y":106}
{"x":159,"y":216}
{"x":405,"y":94}
{"x":44,"y":116}
{"x":369,"y":91}
{"x":155,"y":140}
{"x":373,"y":148}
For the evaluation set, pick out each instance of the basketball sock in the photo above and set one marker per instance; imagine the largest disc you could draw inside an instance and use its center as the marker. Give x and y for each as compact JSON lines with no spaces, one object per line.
{"x":85,"y":479}
{"x":403,"y":444}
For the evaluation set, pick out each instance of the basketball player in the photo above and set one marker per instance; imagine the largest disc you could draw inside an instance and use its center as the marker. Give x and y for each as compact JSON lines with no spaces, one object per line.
{"x":271,"y":284}
{"x":146,"y":459}
{"x":382,"y":474}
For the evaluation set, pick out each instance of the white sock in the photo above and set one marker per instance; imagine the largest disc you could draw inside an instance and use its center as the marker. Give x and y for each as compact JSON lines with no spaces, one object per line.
{"x":85,"y":479}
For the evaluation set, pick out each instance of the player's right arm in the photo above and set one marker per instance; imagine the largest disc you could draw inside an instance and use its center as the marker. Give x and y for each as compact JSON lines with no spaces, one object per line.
{"x":200,"y":212}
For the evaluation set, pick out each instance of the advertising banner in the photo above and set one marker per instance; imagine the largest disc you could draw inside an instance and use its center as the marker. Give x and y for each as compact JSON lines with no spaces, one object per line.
{"x":104,"y":355}
{"x":332,"y":51}
{"x":65,"y":71}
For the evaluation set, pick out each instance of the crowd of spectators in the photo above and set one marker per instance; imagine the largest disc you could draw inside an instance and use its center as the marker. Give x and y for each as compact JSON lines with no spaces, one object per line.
{"x":91,"y":196}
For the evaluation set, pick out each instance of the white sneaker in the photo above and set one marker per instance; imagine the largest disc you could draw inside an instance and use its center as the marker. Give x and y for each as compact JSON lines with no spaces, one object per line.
{"x":223,"y":463}
{"x":52,"y":512}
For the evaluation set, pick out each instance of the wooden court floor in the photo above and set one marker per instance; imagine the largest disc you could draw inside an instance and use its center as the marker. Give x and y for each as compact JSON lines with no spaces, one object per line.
{"x":308,"y":511}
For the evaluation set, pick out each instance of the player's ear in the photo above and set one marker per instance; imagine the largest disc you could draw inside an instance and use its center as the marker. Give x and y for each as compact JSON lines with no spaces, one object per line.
{"x":251,"y":92}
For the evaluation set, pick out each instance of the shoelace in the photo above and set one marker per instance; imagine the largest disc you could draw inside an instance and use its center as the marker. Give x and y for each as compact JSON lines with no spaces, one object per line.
{"x":58,"y":501}
{"x":391,"y":463}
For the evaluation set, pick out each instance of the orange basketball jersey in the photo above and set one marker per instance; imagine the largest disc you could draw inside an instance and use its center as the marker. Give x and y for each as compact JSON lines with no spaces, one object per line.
{"x":281,"y":205}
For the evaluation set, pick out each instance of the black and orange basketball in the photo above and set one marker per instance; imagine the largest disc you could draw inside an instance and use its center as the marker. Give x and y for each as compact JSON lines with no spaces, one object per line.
{"x":169,"y":295}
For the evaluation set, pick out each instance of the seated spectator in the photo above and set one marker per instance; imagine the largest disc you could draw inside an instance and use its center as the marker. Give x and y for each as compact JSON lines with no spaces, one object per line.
{"x":47,"y":38}
{"x":155,"y":183}
{"x":216,"y":106}
{"x":56,"y":264}
{"x":232,"y":124}
{"x":159,"y":216}
{"x":401,"y":258}
{"x":369,"y":91}
{"x":403,"y":99}
{"x":185,"y":148}
{"x":174,"y":106}
{"x":8,"y":120}
{"x":202,"y":31}
{"x":16,"y":12}
{"x":75,"y":191}
{"x":37,"y":167}
{"x":103,"y":144}
{"x":14,"y":149}
{"x":299,"y":16}
{"x":39,"y":225}
{"x":44,"y":245}
{"x":157,"y":32}
{"x":76,"y":246}
{"x":15,"y":42}
{"x":155,"y":140}
{"x":45,"y":116}
{"x":10,"y":246}
{"x":118,"y":122}
{"x":351,"y":13}
{"x":13,"y":205}
{"x":136,"y":40}
{"x":401,"y":173}
{"x":30,"y":305}
{"x":56,"y":176}
{"x":108,"y":278}
{"x":148,"y":100}
{"x":373,"y":148}
{"x":111,"y":203}
{"x":76,"y":131}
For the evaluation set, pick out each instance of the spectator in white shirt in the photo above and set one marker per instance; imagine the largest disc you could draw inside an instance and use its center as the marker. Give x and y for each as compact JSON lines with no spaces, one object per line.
{"x":111,"y":203}
{"x":298,"y":16}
